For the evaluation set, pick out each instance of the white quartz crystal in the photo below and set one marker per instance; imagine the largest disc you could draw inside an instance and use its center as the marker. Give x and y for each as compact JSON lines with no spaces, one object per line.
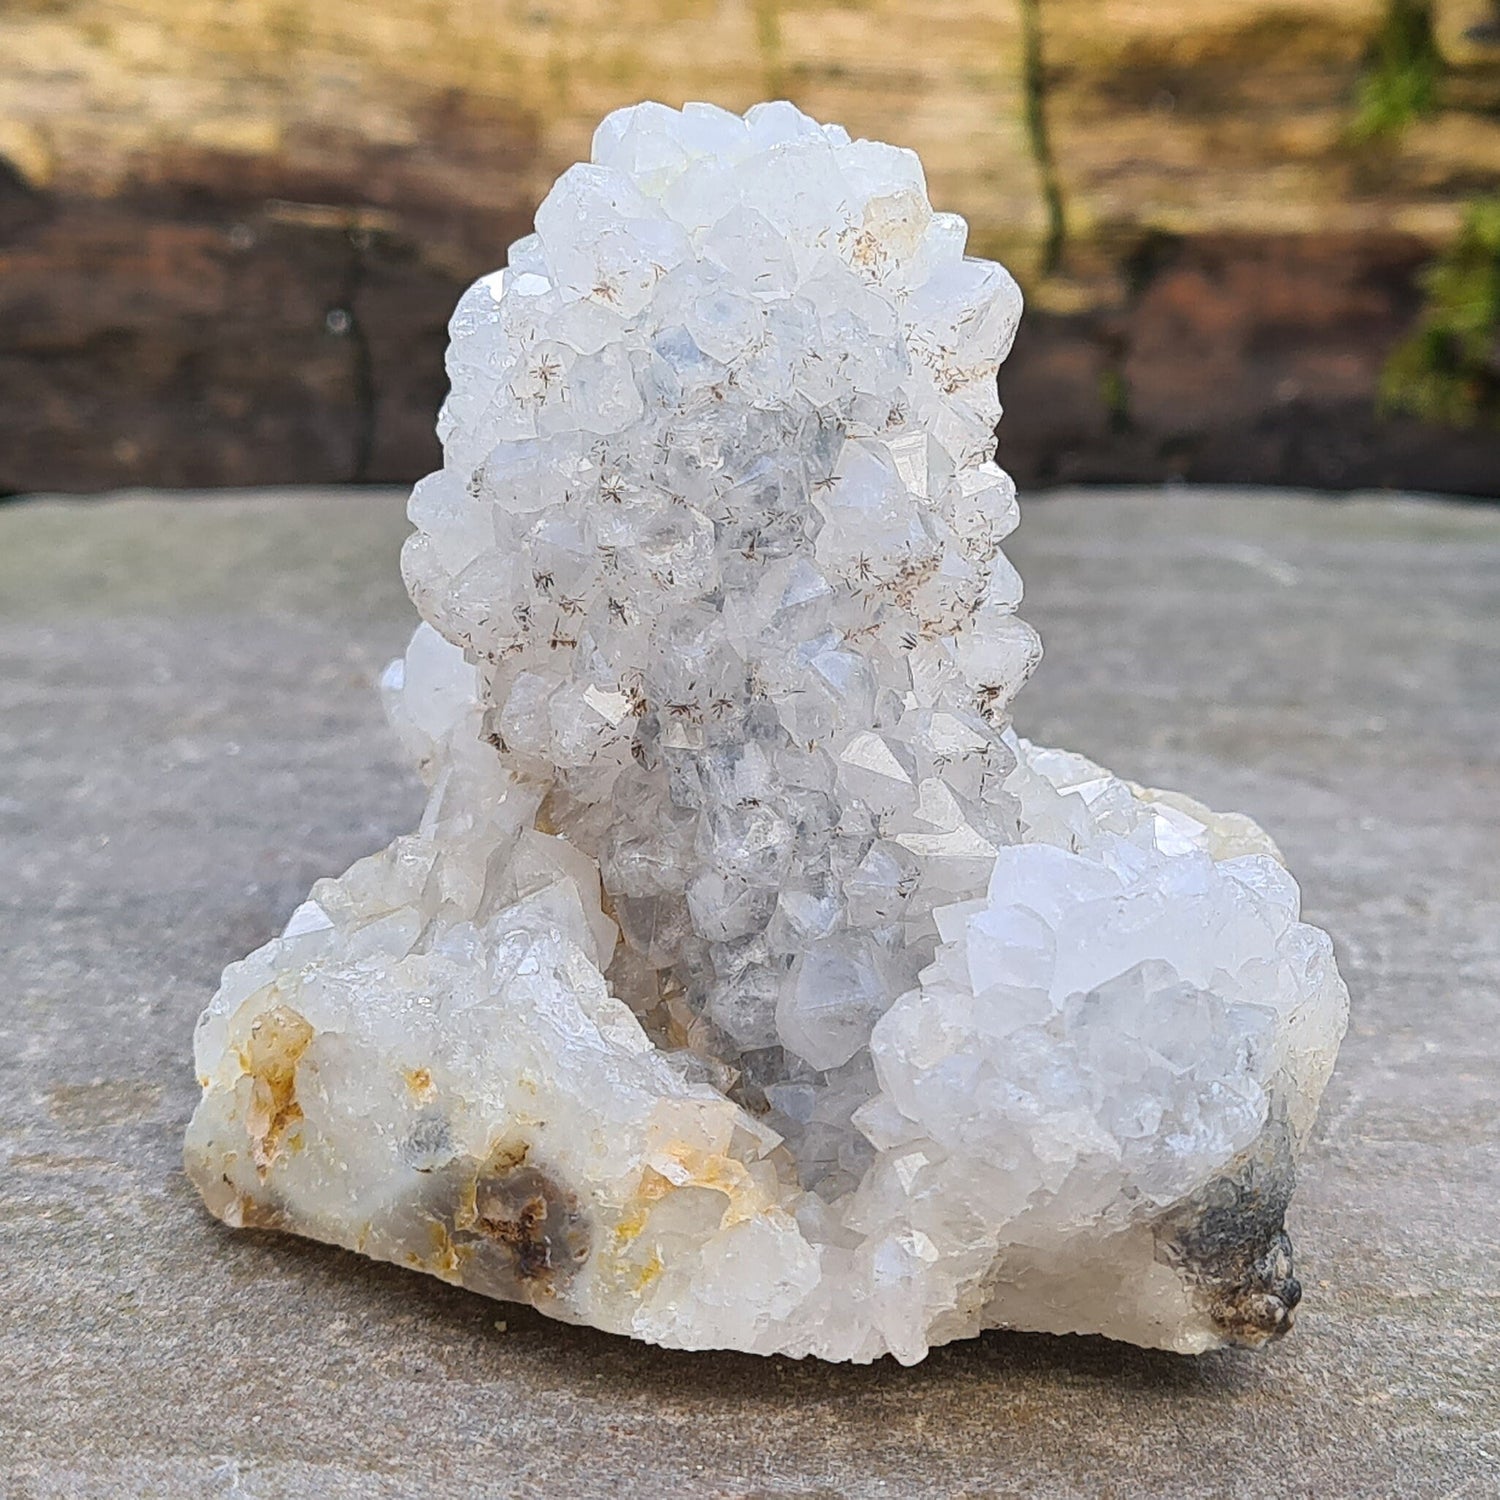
{"x":748,"y":983}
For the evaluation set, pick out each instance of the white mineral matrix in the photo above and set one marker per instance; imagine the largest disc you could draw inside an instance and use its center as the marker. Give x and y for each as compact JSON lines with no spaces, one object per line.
{"x":748,"y":983}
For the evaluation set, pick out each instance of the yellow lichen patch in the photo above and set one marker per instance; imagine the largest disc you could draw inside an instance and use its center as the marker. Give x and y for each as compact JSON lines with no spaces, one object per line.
{"x":269,"y":1057}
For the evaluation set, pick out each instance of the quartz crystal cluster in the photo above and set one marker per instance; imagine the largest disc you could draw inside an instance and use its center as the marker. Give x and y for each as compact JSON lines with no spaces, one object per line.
{"x":748,"y":982}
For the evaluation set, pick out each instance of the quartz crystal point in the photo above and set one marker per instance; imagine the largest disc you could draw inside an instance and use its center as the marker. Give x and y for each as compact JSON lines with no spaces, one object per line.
{"x":748,"y":983}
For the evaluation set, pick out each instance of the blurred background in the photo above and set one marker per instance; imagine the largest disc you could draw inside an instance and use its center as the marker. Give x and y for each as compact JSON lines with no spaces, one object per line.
{"x":1260,"y":242}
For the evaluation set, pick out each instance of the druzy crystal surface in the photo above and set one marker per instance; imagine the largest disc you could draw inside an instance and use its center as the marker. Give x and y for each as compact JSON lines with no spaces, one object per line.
{"x":748,"y":982}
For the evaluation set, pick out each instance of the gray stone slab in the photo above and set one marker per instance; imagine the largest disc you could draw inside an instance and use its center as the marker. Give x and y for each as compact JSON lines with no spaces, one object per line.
{"x":189,"y":736}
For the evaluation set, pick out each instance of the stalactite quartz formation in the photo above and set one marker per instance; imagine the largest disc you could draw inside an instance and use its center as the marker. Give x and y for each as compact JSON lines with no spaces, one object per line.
{"x":748,"y":981}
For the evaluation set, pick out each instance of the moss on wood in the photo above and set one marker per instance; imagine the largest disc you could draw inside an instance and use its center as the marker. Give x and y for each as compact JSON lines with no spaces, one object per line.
{"x":1448,"y":369}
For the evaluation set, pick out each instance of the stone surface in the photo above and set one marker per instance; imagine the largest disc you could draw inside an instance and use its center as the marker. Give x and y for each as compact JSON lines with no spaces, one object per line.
{"x":747,"y":982}
{"x":175,"y":732}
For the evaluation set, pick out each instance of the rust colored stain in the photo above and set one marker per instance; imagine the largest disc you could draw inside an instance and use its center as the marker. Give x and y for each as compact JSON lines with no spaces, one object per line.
{"x":419,"y":1083}
{"x":270,"y":1058}
{"x":518,"y":1230}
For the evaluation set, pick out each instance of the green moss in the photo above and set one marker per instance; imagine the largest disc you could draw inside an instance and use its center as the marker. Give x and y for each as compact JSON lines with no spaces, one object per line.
{"x":1034,"y":79}
{"x":1402,"y":70}
{"x":1448,"y":370}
